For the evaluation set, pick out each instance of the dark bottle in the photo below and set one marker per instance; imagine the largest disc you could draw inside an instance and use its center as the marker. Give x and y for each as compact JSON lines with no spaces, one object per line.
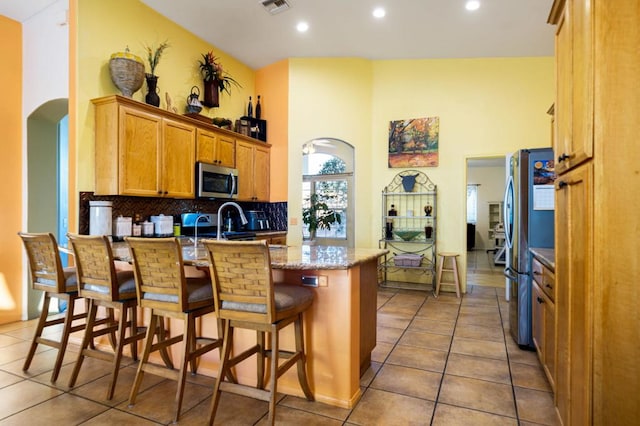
{"x":393,"y":211}
{"x":250,"y":108}
{"x":258,"y":109}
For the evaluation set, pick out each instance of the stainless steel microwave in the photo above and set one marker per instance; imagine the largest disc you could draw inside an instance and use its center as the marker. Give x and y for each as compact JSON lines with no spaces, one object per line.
{"x":214,"y":181}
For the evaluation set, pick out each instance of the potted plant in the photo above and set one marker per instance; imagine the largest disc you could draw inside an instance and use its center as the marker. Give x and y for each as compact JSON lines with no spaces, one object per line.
{"x":318,"y":215}
{"x":153,"y":56}
{"x":216,"y":79}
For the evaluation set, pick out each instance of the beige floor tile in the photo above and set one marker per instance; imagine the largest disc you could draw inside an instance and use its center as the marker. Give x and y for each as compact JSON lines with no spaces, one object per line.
{"x":529,"y":376}
{"x":422,"y":358}
{"x":431,"y":326}
{"x":478,"y":332}
{"x":232,"y":410}
{"x":117,"y":417}
{"x":522,"y":356}
{"x":327,"y":411}
{"x":65,"y":409}
{"x":536,"y":406}
{"x":394,"y":321}
{"x":495,"y":398}
{"x":492,"y":370}
{"x":22,"y":395}
{"x":385,"y":408}
{"x":445,"y":298}
{"x":369,"y":375}
{"x":395,"y":309}
{"x":408,"y":381}
{"x":7,"y":379}
{"x":388,"y":335}
{"x":482,"y":348}
{"x":439,"y":311}
{"x":6,"y":340}
{"x":96,"y":390}
{"x":426,"y":340}
{"x":448,"y":415}
{"x":92,"y":369}
{"x":381,"y":352}
{"x":286,"y":416}
{"x":19,"y":351}
{"x":157,"y":402}
{"x":483,"y":319}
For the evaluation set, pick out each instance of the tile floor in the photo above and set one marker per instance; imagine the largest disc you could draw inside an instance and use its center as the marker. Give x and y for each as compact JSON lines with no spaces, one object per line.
{"x":443,"y":361}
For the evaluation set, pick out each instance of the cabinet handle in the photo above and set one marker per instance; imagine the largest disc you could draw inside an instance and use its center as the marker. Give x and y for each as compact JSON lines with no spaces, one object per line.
{"x":540,"y":300}
{"x":548,"y":286}
{"x":563,"y":157}
{"x":562,"y":184}
{"x":536,"y":273}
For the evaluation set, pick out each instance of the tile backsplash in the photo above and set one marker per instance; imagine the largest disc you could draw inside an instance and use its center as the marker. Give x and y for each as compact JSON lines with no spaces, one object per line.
{"x":149,"y":206}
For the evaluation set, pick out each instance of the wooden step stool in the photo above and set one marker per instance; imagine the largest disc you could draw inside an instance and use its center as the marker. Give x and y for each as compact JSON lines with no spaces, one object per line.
{"x":453,"y":269}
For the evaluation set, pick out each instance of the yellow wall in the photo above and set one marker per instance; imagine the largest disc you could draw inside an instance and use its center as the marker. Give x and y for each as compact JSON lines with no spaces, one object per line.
{"x":487,"y":107}
{"x":11,"y":170}
{"x":272,"y":83}
{"x":330,"y":97}
{"x":106,"y":27}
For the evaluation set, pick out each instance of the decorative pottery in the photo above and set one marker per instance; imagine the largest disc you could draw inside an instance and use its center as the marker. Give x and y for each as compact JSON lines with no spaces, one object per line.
{"x":211,"y":94}
{"x":152,"y":97}
{"x":408,"y":182}
{"x":428,"y":231}
{"x":127,"y":72}
{"x":193,"y":101}
{"x":428,"y":210}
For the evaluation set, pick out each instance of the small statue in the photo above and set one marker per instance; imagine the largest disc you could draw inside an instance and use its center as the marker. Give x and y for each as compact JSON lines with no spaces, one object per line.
{"x":170,"y":106}
{"x":428,"y":210}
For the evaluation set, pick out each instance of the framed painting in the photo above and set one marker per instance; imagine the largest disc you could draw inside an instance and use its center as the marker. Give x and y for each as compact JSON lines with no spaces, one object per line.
{"x":414,"y":142}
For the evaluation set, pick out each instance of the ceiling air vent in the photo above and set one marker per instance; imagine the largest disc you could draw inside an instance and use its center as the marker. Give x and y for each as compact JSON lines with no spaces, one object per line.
{"x":275,"y":6}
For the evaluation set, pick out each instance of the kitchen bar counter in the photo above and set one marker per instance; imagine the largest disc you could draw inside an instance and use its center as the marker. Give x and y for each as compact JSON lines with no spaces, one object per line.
{"x":546,"y":256}
{"x":340,"y":326}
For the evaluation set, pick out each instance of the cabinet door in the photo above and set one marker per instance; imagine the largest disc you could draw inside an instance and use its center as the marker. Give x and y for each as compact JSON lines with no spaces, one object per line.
{"x":244,"y":164}
{"x":574,"y":288}
{"x":537,"y":320}
{"x":575,"y":81}
{"x":226,"y":151}
{"x":139,"y":152}
{"x":261,"y":173}
{"x":205,"y":146}
{"x":178,"y":160}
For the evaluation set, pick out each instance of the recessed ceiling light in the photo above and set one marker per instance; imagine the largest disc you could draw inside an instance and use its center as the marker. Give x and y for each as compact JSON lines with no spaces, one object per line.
{"x":302,"y":27}
{"x":472,"y":5}
{"x":379,"y":12}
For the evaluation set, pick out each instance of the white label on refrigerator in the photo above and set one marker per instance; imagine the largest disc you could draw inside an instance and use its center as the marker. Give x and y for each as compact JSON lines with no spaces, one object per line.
{"x":543,"y":197}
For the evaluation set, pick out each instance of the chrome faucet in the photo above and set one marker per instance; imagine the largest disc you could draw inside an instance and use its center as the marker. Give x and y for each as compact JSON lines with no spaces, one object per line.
{"x":195,"y":234}
{"x":243,"y":218}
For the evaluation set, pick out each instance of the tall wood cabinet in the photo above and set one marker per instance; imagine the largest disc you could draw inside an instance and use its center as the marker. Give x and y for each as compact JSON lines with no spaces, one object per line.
{"x":252,"y":161}
{"x":597,"y":224}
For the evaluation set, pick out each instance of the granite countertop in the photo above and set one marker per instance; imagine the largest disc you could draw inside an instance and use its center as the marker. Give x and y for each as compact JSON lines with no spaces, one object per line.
{"x":546,"y":256}
{"x":283,"y":257}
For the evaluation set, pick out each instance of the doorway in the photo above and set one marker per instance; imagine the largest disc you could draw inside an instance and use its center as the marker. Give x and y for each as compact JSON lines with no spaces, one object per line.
{"x":47,"y":180}
{"x":485,"y":191}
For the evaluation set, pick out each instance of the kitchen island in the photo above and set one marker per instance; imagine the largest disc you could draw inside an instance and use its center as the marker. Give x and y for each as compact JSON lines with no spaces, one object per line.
{"x":340,"y":327}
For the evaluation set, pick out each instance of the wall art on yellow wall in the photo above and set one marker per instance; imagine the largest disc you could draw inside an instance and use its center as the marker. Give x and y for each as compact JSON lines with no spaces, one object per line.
{"x":414,"y":142}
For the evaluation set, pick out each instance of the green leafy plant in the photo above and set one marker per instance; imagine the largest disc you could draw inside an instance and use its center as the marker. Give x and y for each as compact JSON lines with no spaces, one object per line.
{"x":154,"y":55}
{"x":212,"y":70}
{"x":318,"y":215}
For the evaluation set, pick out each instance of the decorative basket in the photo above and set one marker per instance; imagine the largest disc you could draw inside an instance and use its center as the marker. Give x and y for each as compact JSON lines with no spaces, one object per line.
{"x":127,"y":72}
{"x":407,"y":259}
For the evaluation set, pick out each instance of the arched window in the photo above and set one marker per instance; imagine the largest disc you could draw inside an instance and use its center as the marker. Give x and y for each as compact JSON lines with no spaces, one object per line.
{"x":328,"y":179}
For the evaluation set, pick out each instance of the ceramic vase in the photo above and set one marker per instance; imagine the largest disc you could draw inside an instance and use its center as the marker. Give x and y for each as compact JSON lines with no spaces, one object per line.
{"x":152,"y":97}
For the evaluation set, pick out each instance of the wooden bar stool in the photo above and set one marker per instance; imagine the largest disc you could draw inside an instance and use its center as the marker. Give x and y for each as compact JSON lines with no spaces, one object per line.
{"x":48,"y":275}
{"x":162,"y":287}
{"x":454,"y":270}
{"x":246,"y":297}
{"x":102,"y":285}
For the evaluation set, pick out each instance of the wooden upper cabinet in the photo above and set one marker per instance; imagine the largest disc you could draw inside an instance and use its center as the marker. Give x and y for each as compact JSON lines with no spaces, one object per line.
{"x":140,"y":152}
{"x":216,"y":148}
{"x":178,"y":158}
{"x":574,"y":44}
{"x":252,"y":162}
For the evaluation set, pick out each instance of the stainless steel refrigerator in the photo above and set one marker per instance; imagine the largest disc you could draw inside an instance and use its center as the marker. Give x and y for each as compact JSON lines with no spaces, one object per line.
{"x":528,"y":216}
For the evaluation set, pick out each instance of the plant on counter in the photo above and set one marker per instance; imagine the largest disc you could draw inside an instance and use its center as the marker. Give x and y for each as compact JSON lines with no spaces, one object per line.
{"x":153,"y":56}
{"x":212,"y":72}
{"x":318,"y":215}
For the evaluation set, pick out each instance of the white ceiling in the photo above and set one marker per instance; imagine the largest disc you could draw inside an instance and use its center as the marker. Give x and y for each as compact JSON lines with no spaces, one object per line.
{"x":345,"y":28}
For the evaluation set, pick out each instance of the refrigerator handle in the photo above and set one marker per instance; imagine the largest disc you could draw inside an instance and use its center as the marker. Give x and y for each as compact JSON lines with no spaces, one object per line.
{"x":508,"y":212}
{"x":510,"y":273}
